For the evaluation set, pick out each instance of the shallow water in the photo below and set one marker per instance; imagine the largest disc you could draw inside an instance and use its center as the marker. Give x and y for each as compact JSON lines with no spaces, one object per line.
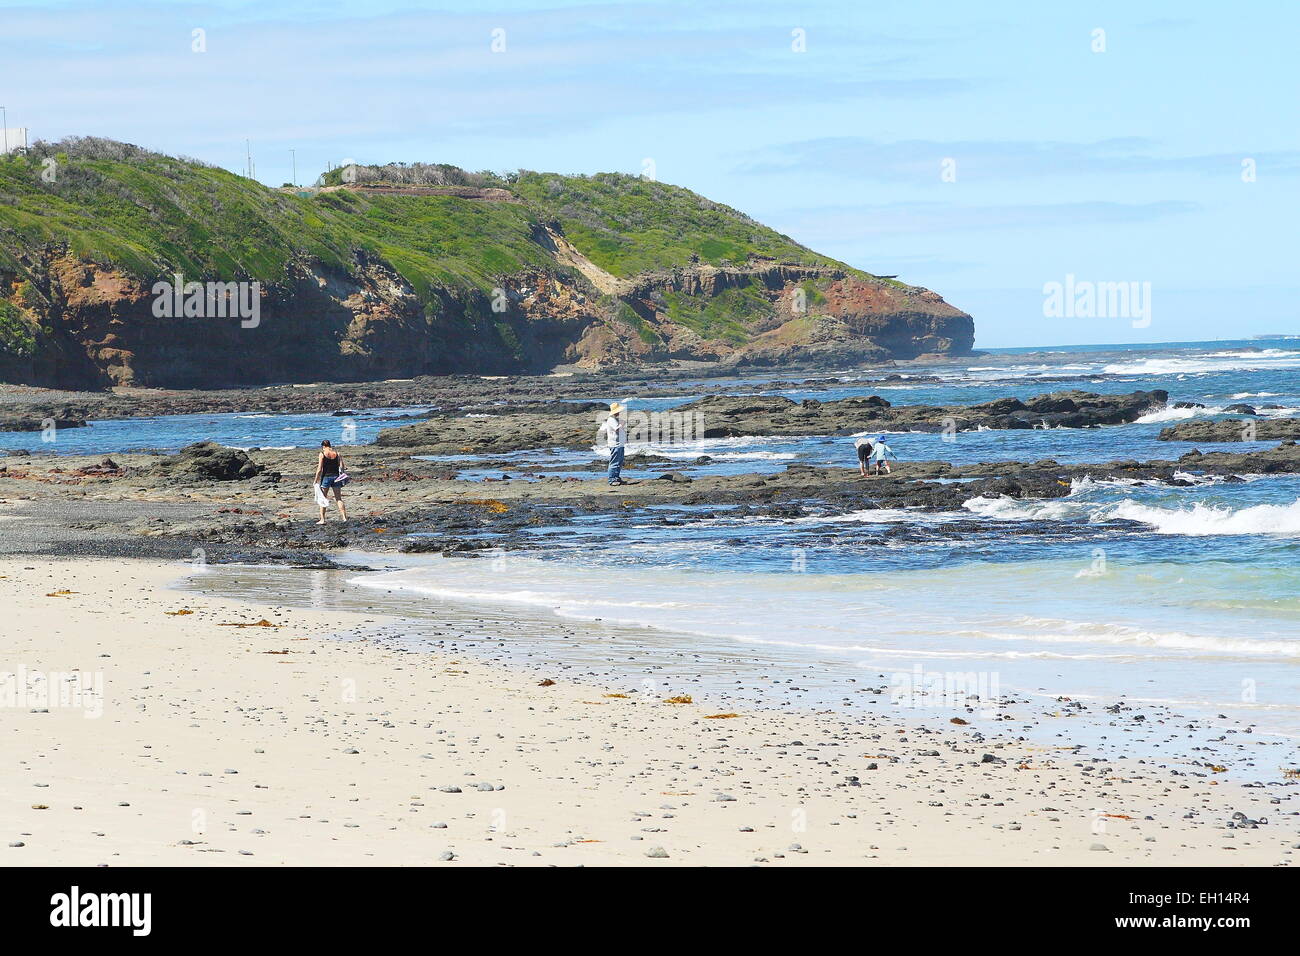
{"x":1121,"y":590}
{"x":1216,"y":374}
{"x":594,"y":632}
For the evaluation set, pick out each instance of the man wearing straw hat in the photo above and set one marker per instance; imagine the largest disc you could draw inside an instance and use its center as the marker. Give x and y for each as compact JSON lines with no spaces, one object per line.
{"x":615,"y":436}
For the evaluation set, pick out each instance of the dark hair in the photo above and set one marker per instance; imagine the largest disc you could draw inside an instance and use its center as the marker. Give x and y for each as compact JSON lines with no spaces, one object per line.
{"x":325,"y":443}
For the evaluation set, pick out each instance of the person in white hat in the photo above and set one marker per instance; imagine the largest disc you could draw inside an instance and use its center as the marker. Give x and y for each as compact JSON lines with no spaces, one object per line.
{"x":615,"y":436}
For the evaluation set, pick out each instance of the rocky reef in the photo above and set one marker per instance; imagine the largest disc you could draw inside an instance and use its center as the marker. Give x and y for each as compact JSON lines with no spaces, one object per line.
{"x":207,"y":461}
{"x":1233,"y":429}
{"x":724,"y":416}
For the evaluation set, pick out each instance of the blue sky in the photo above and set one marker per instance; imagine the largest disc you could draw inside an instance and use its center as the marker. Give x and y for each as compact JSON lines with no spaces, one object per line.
{"x":1121,"y":166}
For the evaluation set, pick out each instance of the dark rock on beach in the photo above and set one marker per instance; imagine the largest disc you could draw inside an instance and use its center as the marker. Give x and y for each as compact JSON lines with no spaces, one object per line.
{"x":1284,"y":459}
{"x":209,"y":461}
{"x":26,"y":423}
{"x":1234,"y":429}
{"x":725,"y":416}
{"x":430,"y":545}
{"x":257,"y":521}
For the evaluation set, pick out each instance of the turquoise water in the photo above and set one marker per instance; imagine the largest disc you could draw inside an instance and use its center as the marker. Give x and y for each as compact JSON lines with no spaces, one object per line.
{"x":1135,"y":591}
{"x":1120,"y":591}
{"x":1190,"y":597}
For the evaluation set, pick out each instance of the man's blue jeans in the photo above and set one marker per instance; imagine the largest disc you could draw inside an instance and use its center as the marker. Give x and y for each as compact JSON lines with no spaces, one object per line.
{"x":615,"y":463}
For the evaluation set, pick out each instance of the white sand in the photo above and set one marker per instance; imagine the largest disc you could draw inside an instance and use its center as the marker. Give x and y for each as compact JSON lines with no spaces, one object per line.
{"x":587,"y":779}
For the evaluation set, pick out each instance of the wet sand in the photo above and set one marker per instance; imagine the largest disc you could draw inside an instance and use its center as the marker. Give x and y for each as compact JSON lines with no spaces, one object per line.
{"x":313,"y":742}
{"x":1223,"y":741}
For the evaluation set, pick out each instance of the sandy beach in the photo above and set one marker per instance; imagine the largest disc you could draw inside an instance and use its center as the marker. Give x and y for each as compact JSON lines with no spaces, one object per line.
{"x":303,"y":743}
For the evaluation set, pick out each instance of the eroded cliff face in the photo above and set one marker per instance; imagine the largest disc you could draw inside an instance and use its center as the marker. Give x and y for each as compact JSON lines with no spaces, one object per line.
{"x":792,"y":315}
{"x":94,"y":326}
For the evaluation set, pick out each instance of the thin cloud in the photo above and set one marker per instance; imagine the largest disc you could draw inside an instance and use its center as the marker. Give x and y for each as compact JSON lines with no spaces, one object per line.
{"x":921,"y":161}
{"x":389,"y":72}
{"x":842,"y":224}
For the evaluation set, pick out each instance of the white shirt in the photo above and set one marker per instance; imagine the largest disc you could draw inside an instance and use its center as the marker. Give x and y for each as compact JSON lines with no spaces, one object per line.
{"x":613,"y":431}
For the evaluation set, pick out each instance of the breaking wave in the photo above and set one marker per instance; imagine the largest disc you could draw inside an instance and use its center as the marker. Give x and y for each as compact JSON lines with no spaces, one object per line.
{"x":1203,"y":519}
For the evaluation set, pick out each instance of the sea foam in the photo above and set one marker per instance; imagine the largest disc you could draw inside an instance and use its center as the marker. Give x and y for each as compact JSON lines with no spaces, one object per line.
{"x":1203,"y":519}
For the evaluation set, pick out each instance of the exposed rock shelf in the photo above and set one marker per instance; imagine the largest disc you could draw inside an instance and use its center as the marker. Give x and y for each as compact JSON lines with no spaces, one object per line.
{"x":1234,"y":429}
{"x":723,"y":416}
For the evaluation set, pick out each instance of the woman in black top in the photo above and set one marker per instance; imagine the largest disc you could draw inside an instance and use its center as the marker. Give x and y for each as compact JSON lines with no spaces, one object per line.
{"x":328,"y":468}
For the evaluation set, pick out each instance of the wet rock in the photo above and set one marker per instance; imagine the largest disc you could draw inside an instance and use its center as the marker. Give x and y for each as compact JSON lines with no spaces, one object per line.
{"x":19,"y":423}
{"x":426,"y":545}
{"x":1234,"y":429}
{"x":725,"y":416}
{"x":208,"y":461}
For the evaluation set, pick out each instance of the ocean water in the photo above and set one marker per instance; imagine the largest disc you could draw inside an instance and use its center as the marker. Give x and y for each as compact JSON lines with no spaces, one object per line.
{"x":167,"y":433}
{"x":1123,"y":591}
{"x":1138,"y":592}
{"x":1216,"y":374}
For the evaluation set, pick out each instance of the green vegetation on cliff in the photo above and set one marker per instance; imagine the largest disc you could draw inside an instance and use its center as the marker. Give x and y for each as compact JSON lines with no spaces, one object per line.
{"x":729,"y":316}
{"x":17,"y":337}
{"x":627,"y":225}
{"x":409,"y":269}
{"x":151,"y":215}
